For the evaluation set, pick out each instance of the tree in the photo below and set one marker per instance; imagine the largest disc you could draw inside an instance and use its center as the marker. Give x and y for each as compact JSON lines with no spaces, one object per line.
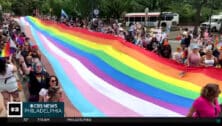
{"x":25,"y":7}
{"x":198,"y":5}
{"x":115,"y":8}
{"x":185,"y":10}
{"x":56,"y":6}
{"x":84,"y":8}
{"x":6,"y":5}
{"x":18,"y":8}
{"x":163,"y":5}
{"x":140,"y":5}
{"x":156,"y":5}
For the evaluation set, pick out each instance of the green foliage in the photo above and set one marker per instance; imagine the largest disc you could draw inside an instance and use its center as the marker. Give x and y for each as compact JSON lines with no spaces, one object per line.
{"x":188,"y":9}
{"x":185,"y":11}
{"x":115,"y":8}
{"x":6,"y":5}
{"x":84,"y":8}
{"x":56,"y":6}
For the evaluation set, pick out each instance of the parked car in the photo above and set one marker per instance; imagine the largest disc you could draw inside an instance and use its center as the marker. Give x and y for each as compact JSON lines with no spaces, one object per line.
{"x":213,"y":24}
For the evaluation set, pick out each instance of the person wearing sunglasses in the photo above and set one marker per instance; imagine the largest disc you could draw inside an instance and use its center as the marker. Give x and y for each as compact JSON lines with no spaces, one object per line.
{"x":52,"y":84}
{"x":37,"y":79}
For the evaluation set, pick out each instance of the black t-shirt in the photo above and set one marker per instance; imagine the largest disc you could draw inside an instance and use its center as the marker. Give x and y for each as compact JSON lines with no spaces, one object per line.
{"x":187,"y":41}
{"x":216,"y":53}
{"x":25,"y":53}
{"x":37,"y":81}
{"x":165,"y":51}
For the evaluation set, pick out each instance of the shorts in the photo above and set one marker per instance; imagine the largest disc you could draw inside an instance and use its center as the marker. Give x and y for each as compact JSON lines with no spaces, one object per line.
{"x":10,"y":86}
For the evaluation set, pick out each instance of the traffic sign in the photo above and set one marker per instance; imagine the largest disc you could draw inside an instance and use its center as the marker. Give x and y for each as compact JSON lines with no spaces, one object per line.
{"x":96,"y":11}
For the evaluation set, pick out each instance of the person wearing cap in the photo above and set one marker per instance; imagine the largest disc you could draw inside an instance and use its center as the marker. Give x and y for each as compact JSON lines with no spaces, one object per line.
{"x":35,"y":53}
{"x":186,"y":38}
{"x":182,"y":43}
{"x":194,"y":58}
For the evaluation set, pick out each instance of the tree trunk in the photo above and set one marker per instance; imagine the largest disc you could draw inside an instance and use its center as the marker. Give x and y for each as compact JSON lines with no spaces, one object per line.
{"x":197,"y":20}
{"x":197,"y":17}
{"x":1,"y":16}
{"x":159,"y":19}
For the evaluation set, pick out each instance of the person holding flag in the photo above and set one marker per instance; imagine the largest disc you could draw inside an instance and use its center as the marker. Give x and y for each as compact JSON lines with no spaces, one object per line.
{"x":8,"y":82}
{"x":64,"y":14}
{"x":8,"y":49}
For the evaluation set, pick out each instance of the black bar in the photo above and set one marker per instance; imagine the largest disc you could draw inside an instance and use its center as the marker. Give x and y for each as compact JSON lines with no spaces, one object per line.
{"x":115,"y":120}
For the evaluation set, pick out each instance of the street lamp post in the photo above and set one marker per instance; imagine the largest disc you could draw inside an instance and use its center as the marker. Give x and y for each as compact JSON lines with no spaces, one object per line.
{"x":211,"y":12}
{"x":50,"y":10}
{"x":146,"y":18}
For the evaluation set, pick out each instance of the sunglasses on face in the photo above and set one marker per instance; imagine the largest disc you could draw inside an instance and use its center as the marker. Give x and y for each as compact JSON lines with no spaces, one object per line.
{"x":53,"y":81}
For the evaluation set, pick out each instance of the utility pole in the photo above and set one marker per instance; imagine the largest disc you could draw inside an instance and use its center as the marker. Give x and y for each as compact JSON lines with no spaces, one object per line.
{"x":1,"y":13}
{"x":211,"y":12}
{"x":146,"y":18}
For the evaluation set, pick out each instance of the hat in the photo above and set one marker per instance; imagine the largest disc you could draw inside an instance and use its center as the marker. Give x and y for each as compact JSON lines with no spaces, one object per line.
{"x":195,"y":46}
{"x":121,"y":29}
{"x":185,"y":33}
{"x":178,"y":48}
{"x":209,"y":47}
{"x":35,"y":47}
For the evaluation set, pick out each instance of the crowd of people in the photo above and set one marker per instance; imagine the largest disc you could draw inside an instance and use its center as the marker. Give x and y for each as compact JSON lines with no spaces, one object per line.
{"x":200,"y":51}
{"x":24,"y":64}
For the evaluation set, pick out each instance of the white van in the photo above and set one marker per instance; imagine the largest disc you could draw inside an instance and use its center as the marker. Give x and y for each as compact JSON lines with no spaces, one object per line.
{"x":214,"y":24}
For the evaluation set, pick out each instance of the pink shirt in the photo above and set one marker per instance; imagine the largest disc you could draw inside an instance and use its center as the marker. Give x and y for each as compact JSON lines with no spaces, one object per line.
{"x":204,"y":108}
{"x":194,"y":59}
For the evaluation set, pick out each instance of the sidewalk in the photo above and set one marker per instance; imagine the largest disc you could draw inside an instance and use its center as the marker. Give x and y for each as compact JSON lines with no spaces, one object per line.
{"x":70,"y":110}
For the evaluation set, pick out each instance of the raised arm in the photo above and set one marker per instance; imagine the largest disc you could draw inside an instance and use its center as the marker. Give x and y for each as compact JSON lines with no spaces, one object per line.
{"x":191,"y":111}
{"x":24,"y":66}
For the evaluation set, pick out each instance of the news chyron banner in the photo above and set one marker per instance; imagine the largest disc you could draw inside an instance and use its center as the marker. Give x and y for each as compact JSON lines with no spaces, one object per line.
{"x":36,"y":109}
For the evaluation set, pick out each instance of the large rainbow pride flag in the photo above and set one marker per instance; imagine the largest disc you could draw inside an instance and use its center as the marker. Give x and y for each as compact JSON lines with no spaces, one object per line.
{"x":105,"y":76}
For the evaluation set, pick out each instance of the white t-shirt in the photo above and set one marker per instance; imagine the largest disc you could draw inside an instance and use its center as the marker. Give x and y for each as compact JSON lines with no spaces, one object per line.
{"x":11,"y":83}
{"x":44,"y":93}
{"x":177,"y":56}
